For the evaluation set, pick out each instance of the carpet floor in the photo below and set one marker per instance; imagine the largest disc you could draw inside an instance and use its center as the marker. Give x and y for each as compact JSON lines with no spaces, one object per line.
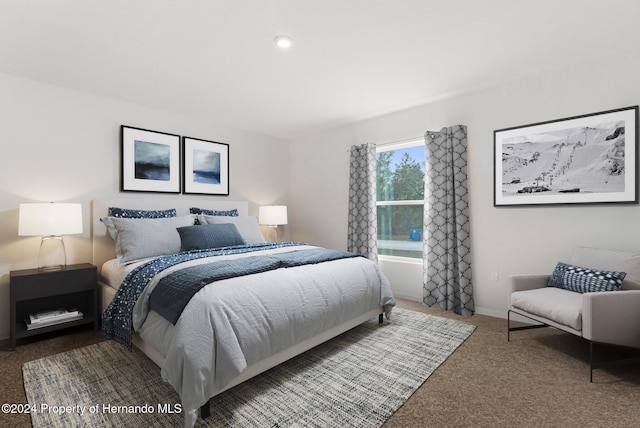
{"x":358,"y":379}
{"x":538,"y":379}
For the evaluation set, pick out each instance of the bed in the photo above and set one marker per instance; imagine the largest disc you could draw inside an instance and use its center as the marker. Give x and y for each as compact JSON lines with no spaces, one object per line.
{"x":289,"y":297}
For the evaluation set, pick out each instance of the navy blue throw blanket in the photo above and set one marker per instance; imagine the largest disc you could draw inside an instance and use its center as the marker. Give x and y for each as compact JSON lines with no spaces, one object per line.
{"x":174,"y":291}
{"x":117,"y":321}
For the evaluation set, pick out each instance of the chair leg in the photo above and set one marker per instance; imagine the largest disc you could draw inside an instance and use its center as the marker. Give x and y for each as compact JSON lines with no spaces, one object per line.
{"x":611,"y":363}
{"x":526,"y":327}
{"x":591,"y":361}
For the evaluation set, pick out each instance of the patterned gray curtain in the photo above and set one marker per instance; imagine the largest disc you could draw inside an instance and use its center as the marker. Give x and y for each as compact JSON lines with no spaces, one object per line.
{"x":363,"y":222}
{"x":447,"y":243}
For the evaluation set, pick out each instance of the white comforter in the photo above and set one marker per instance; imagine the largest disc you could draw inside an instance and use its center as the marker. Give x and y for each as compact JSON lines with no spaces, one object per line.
{"x":232,"y":324}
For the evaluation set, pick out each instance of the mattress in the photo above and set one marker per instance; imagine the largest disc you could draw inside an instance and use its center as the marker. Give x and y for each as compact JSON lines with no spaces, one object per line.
{"x":113,"y":274}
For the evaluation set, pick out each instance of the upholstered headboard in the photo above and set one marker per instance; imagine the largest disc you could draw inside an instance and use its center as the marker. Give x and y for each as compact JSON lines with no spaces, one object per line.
{"x":103,"y":245}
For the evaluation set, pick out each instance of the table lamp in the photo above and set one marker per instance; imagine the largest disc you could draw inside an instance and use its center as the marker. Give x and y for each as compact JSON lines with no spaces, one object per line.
{"x":51,"y":221}
{"x":273,"y":216}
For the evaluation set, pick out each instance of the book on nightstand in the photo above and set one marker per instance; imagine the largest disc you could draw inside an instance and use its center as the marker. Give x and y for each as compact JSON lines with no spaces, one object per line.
{"x":47,"y":318}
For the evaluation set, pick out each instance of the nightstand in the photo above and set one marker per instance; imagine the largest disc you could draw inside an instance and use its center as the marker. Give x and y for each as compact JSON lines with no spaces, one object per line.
{"x":34,"y":291}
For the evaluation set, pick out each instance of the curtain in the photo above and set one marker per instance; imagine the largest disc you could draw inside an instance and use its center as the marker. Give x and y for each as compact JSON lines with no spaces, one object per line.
{"x":446,"y":245}
{"x":362,"y":228}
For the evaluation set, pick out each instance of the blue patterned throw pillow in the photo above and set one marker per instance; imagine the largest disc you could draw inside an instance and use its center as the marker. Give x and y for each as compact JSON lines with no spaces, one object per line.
{"x":130,"y":213}
{"x":585,"y":280}
{"x":227,"y":213}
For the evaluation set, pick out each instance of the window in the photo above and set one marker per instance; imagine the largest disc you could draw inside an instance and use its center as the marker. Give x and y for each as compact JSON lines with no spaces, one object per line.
{"x":400,"y":170}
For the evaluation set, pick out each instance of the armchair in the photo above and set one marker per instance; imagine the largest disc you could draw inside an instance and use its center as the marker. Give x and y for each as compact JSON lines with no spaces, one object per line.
{"x":601,"y":317}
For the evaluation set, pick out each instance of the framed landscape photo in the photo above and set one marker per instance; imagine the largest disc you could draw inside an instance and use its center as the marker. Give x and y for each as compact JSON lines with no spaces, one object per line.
{"x":150,"y":161}
{"x":585,"y":159}
{"x":205,"y":166}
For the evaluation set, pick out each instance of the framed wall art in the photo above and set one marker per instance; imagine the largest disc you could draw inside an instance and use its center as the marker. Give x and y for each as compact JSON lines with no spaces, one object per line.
{"x":205,"y":166}
{"x":150,"y":161}
{"x":585,"y":159}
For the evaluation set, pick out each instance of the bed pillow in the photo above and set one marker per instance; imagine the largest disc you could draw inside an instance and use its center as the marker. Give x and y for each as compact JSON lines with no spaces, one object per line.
{"x":111,"y":228}
{"x":144,"y":238}
{"x":585,"y":280}
{"x":227,"y":213}
{"x":132,"y":213}
{"x":205,"y":236}
{"x":246,"y":225}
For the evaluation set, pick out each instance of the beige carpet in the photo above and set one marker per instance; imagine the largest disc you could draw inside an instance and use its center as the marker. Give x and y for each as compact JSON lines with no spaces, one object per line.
{"x":539,"y":379}
{"x":358,"y":379}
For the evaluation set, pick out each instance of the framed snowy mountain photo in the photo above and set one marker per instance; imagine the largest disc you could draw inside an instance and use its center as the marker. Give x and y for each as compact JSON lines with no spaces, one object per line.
{"x":578,"y":160}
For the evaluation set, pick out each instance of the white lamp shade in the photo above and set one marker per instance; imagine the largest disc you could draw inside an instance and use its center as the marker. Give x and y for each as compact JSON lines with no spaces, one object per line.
{"x":49,"y":219}
{"x":272,"y":215}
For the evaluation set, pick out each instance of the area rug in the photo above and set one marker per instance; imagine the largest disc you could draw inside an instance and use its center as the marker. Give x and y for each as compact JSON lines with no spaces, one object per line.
{"x":358,"y":379}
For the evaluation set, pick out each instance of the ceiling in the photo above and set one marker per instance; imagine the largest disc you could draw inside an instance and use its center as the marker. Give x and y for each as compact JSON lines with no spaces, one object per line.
{"x":351,"y":59}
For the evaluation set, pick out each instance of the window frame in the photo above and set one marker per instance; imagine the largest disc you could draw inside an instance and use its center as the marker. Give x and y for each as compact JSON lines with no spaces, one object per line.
{"x":416,"y":142}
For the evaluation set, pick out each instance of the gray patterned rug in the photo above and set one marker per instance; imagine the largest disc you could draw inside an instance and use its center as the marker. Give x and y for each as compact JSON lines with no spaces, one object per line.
{"x":358,"y":379}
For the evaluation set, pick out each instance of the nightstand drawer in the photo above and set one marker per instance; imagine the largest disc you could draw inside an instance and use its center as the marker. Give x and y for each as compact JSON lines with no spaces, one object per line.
{"x":34,"y":284}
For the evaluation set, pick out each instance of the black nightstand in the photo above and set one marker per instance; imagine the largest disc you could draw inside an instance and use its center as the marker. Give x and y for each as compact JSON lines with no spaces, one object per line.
{"x":33,"y":291}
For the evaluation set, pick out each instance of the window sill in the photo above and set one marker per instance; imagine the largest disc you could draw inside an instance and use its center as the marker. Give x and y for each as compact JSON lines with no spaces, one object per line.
{"x":398,"y":259}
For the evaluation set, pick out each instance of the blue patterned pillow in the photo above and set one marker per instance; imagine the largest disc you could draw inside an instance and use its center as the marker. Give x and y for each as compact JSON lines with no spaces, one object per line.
{"x":206,"y":236}
{"x":228,"y":213}
{"x":129,"y":213}
{"x":585,"y":280}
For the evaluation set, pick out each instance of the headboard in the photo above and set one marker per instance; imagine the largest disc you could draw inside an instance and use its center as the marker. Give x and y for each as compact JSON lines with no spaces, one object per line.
{"x":103,"y":245}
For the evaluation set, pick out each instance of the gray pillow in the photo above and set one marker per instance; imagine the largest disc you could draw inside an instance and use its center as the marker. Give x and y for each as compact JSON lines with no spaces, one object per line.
{"x":246,"y":225}
{"x":132,"y":213}
{"x":205,"y":236}
{"x":141,"y":238}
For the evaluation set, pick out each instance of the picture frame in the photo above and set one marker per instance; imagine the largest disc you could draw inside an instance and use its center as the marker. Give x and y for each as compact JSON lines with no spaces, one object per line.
{"x":587,"y":159}
{"x":205,"y":167}
{"x":149,"y":161}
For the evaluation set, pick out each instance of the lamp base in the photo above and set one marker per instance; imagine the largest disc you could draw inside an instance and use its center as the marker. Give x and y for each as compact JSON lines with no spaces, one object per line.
{"x":274,"y":231}
{"x":52,"y":254}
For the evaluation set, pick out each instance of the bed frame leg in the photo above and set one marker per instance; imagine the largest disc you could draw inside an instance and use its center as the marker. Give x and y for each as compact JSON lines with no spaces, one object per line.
{"x":380,"y":318}
{"x":205,"y":409}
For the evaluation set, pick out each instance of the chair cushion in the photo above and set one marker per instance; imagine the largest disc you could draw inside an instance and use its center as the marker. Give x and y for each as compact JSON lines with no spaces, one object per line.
{"x":555,"y":304}
{"x":611,"y":260}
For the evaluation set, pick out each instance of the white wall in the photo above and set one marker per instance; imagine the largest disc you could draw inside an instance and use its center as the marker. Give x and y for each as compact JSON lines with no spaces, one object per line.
{"x":505,"y":240}
{"x":62,"y":145}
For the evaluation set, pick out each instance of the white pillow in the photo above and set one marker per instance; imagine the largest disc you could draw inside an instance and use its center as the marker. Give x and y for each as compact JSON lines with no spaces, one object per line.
{"x":141,"y":238}
{"x":246,"y":225}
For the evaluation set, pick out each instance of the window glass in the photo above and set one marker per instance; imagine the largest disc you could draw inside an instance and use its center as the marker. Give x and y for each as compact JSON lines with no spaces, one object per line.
{"x":400,"y":199}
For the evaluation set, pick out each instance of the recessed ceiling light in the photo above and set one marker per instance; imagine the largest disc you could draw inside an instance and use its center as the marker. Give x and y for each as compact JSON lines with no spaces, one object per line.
{"x":283,"y":41}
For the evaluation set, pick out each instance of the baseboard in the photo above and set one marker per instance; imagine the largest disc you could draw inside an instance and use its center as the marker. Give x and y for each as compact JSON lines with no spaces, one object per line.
{"x":478,"y":310}
{"x":491,"y":313}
